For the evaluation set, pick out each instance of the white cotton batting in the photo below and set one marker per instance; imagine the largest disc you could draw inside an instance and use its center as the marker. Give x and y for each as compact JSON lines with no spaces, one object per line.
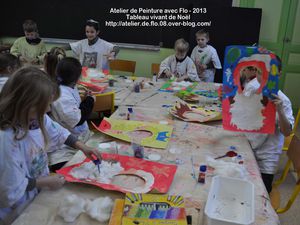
{"x":71,"y":207}
{"x":246,"y":112}
{"x":100,"y":208}
{"x":89,"y":170}
{"x":226,"y":169}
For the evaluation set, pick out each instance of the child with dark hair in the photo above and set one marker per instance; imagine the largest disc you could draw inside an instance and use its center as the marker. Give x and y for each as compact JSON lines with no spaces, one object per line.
{"x":93,"y":52}
{"x":30,"y":48}
{"x":51,"y":59}
{"x":267,"y":148}
{"x":8,"y":64}
{"x":26,"y":133}
{"x":69,"y":111}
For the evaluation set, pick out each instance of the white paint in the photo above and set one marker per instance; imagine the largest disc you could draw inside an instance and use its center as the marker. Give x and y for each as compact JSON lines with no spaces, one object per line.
{"x":154,"y":157}
{"x":246,"y":112}
{"x":93,"y":73}
{"x":163,"y":122}
{"x":181,"y":84}
{"x":104,"y":145}
{"x":89,"y":170}
{"x":174,"y":150}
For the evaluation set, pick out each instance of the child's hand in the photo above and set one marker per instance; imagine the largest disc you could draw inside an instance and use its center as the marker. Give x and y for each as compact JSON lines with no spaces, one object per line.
{"x":111,"y":55}
{"x":180,"y":79}
{"x":203,"y":66}
{"x":89,"y":151}
{"x":168,"y":74}
{"x":89,"y":93}
{"x":35,"y":61}
{"x":278,"y":102}
{"x":23,"y":59}
{"x":52,"y":182}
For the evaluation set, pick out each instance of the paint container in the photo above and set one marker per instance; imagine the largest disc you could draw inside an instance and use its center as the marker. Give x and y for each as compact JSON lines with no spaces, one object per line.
{"x":111,"y":83}
{"x":239,"y":159}
{"x":138,"y":149}
{"x":136,"y":88}
{"x":230,"y":201}
{"x":202,"y":173}
{"x":154,"y":78}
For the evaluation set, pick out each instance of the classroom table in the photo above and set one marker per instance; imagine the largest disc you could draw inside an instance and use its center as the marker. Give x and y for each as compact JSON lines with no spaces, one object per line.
{"x":189,"y":147}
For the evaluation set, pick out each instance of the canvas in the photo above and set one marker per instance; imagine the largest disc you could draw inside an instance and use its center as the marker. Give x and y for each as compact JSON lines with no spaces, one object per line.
{"x":137,"y":175}
{"x":193,"y":113}
{"x":172,"y":86}
{"x":247,"y":96}
{"x":126,"y":130}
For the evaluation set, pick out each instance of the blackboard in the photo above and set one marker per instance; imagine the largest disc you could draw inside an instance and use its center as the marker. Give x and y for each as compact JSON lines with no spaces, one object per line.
{"x":66,"y":19}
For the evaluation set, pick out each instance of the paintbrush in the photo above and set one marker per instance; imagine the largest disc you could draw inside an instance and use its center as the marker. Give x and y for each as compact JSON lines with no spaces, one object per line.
{"x":149,"y":96}
{"x":193,"y":170}
{"x":97,"y":162}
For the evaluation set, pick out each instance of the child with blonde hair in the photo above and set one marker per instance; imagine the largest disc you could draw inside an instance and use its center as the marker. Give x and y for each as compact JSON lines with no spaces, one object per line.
{"x":205,"y":57}
{"x":26,"y":133}
{"x":179,"y":65}
{"x":51,"y":59}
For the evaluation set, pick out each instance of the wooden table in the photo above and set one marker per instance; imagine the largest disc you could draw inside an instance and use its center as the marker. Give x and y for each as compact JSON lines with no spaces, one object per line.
{"x":189,"y":141}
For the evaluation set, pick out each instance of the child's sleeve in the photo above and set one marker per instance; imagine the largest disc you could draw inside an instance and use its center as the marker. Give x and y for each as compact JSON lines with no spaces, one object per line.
{"x":287,"y":108}
{"x":215,"y":59}
{"x":14,"y":50}
{"x":56,"y":133}
{"x":193,"y":55}
{"x":192,"y":71}
{"x":67,"y":111}
{"x":42,"y":53}
{"x":12,"y":171}
{"x":164,"y":65}
{"x":76,"y":47}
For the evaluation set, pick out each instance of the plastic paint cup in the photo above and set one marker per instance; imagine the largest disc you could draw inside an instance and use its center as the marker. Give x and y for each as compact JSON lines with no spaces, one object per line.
{"x":111,"y":83}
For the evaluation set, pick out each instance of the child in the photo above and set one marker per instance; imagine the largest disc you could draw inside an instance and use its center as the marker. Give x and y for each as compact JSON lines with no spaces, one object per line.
{"x":205,"y":57}
{"x":26,"y":132}
{"x":8,"y":64}
{"x":69,"y":111}
{"x":268,"y":147}
{"x":51,"y":59}
{"x":93,"y":52}
{"x":179,"y":65}
{"x":30,"y":49}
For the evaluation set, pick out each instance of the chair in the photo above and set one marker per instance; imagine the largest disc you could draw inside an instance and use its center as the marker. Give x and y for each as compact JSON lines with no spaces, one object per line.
{"x":122,"y":65}
{"x":287,"y":140}
{"x":104,"y":102}
{"x":155,"y":69}
{"x":293,"y":154}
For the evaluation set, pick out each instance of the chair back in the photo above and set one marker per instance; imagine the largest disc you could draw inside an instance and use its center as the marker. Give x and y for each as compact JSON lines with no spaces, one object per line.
{"x":294,"y":154}
{"x":122,"y":65}
{"x":104,"y":102}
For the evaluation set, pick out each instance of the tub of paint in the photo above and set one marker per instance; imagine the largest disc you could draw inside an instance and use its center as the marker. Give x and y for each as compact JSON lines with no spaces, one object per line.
{"x":230,"y":202}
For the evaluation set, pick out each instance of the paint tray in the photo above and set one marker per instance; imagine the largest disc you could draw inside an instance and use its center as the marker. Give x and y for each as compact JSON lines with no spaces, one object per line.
{"x":230,"y":202}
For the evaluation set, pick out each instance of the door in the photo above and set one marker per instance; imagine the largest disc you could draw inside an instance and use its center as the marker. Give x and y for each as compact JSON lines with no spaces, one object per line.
{"x":280,"y":33}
